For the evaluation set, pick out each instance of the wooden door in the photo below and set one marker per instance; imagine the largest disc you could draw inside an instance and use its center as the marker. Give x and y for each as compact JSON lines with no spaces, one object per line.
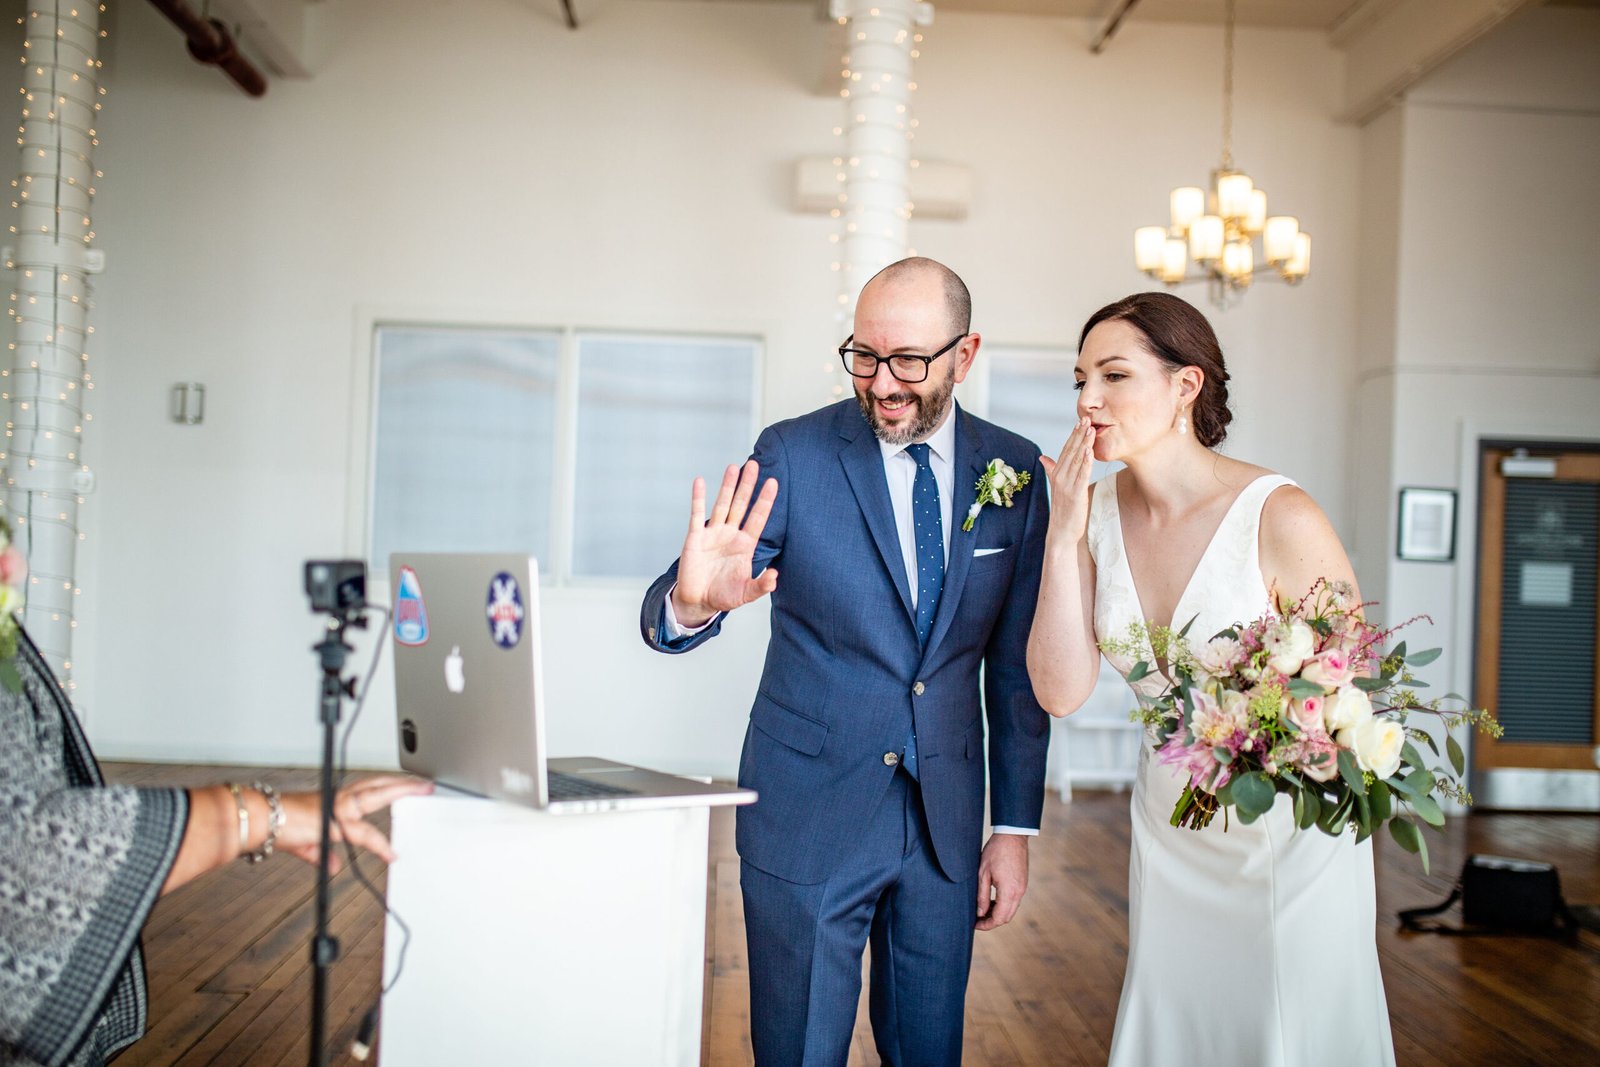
{"x":1538,"y":633}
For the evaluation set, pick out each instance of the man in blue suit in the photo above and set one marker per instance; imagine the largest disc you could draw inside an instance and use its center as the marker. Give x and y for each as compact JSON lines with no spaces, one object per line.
{"x":866,"y":739}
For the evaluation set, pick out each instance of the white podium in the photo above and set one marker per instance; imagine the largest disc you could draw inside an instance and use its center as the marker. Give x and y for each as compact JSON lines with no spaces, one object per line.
{"x":545,"y":939}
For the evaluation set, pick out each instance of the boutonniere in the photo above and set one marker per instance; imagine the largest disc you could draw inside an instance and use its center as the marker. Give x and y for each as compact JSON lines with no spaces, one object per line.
{"x":997,"y":486}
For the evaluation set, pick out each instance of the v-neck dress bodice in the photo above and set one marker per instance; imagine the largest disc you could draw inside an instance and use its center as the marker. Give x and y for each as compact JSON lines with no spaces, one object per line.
{"x":1251,"y":944}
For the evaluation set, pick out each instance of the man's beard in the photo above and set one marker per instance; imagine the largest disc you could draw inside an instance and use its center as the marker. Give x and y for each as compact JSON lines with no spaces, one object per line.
{"x":930,"y":408}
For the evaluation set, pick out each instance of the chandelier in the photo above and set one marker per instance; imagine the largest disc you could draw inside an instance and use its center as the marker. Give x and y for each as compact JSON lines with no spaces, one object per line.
{"x":1217,"y":229}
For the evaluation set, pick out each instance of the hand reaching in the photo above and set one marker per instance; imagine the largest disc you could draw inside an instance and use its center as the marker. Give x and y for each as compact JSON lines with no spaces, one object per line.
{"x":302,"y":827}
{"x":714,"y":567}
{"x":1070,"y":475}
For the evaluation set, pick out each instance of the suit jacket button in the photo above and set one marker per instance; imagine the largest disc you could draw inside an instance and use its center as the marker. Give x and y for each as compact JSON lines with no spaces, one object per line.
{"x":916,"y":690}
{"x":652,"y":633}
{"x":890,"y":759}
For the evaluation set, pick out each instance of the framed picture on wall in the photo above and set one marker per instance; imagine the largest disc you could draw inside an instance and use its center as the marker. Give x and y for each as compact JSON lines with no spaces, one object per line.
{"x":1427,"y":525}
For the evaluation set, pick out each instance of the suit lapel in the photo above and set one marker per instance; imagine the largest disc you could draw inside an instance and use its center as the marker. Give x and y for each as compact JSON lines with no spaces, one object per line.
{"x":863,"y":466}
{"x":969,"y":465}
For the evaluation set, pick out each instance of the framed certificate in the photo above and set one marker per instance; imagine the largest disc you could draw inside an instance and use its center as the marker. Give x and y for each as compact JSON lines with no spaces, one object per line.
{"x":1427,"y":525}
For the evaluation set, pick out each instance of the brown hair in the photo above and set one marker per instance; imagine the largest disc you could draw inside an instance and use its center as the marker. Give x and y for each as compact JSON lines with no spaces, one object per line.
{"x":1179,"y":336}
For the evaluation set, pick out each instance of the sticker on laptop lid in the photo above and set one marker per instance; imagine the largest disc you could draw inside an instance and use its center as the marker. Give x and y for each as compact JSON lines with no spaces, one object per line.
{"x":505,"y":611}
{"x":410,"y":613}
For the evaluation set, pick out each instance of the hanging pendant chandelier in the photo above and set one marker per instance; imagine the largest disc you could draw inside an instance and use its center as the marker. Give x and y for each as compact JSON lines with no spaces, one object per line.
{"x":1217,"y":229}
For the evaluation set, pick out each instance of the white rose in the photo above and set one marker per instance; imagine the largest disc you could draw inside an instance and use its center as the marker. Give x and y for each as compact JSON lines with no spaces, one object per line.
{"x":1218,"y":656}
{"x":1288,"y":646}
{"x":1376,"y":744}
{"x":1346,"y":709}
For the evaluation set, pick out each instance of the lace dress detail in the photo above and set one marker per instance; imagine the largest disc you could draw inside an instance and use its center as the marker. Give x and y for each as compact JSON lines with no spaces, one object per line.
{"x":1254,"y":945}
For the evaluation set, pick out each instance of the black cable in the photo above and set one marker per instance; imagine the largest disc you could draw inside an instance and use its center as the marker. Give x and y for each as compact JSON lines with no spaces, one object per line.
{"x":363,"y":1042}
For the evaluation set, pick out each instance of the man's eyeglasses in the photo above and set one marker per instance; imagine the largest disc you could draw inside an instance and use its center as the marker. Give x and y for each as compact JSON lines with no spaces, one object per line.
{"x":906,"y":368}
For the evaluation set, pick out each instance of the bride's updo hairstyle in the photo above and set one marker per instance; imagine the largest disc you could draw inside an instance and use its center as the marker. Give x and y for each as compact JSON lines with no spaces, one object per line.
{"x":1179,"y":336}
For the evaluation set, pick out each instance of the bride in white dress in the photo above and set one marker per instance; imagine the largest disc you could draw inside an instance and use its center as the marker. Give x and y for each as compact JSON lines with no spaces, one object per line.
{"x":1255,"y":945}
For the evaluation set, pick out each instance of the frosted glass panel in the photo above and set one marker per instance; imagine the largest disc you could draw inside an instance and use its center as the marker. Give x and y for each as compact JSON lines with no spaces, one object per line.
{"x":653,"y":412}
{"x":1030,"y":392}
{"x":465,"y":442}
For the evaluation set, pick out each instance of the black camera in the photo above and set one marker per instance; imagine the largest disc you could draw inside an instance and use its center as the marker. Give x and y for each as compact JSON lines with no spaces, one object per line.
{"x":337,"y":587}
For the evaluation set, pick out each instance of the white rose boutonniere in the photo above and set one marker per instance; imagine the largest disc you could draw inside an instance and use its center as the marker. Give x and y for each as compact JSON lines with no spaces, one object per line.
{"x":1000,"y":482}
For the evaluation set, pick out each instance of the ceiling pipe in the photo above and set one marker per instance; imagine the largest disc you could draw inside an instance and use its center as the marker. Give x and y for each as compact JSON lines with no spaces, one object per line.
{"x":1111,"y":26}
{"x":210,"y":42}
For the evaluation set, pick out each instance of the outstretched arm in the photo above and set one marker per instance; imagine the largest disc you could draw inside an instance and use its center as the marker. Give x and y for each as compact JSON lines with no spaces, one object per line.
{"x":714,"y":569}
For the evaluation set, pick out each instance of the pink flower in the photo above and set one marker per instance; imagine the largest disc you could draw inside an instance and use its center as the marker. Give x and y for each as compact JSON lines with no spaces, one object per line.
{"x":1312,"y":748}
{"x":1330,"y":669}
{"x":13,"y":568}
{"x":1307,"y":715}
{"x":1197,"y":762}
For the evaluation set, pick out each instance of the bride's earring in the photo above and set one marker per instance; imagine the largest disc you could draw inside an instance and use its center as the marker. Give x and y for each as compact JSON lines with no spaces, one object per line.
{"x":1183,"y":424}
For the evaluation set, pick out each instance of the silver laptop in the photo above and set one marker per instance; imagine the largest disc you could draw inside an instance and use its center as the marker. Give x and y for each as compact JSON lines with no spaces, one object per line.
{"x":469,"y":693}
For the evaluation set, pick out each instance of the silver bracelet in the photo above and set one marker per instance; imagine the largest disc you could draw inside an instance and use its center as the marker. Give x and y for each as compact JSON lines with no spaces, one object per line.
{"x":244,"y":817}
{"x":275,"y":821}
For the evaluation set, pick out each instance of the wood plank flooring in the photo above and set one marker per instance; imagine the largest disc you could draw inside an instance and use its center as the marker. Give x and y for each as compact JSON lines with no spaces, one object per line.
{"x":230,"y":975}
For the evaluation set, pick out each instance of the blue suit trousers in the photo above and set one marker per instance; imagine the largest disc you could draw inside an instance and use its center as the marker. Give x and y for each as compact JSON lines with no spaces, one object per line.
{"x":805,"y":945}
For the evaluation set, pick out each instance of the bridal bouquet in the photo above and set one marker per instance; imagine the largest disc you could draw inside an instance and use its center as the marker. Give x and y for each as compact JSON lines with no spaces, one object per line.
{"x":1304,"y":702}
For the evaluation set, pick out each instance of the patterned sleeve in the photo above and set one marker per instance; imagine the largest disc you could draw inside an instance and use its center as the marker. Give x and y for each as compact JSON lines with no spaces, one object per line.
{"x":81,"y":864}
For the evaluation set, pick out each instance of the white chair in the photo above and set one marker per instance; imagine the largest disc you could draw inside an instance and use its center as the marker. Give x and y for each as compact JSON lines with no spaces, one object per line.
{"x":1098,"y":744}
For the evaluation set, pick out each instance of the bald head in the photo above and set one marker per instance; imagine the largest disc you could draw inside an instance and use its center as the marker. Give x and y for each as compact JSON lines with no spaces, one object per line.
{"x":921,"y":270}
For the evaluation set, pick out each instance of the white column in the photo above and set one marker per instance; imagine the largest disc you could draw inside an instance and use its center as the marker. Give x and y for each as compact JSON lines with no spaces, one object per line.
{"x":50,"y":258}
{"x":874,"y":161}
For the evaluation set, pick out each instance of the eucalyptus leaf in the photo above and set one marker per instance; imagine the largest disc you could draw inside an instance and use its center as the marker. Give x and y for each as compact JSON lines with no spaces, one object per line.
{"x":1423,"y":658}
{"x":1363,"y":816}
{"x":1303,"y":687}
{"x":1382,"y":801}
{"x":1458,"y":759}
{"x":1399,"y":651}
{"x":1421,"y":782}
{"x":1140,"y":669}
{"x":1185,"y":631}
{"x":1418,"y":683}
{"x":1222,"y":755}
{"x":1307,"y":808}
{"x":1404,"y":786}
{"x":1365,"y":684}
{"x":1428,"y":808}
{"x":1409,"y":753}
{"x":1406,"y":835}
{"x":1351,"y":773}
{"x":1224,"y":794}
{"x":1253,"y":794}
{"x":1428,"y":740}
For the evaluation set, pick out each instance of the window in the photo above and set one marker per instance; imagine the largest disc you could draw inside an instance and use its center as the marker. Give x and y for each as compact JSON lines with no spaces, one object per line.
{"x":575,"y":446}
{"x":1030,"y":392}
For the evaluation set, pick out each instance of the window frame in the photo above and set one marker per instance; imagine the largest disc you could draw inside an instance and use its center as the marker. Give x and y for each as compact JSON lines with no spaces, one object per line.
{"x":557,"y":569}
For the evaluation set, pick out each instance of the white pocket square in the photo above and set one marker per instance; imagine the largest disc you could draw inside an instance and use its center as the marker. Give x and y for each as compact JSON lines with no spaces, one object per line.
{"x":979,"y":553}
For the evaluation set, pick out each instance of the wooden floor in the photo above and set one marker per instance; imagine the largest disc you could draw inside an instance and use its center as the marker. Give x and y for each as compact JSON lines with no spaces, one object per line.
{"x":230,"y":975}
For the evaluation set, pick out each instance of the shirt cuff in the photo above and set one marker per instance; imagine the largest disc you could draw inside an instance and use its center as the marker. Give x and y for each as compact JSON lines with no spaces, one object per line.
{"x":676,"y":631}
{"x":1019,"y":830}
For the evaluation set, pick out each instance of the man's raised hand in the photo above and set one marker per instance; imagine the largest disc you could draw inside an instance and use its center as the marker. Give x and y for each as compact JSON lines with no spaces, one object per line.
{"x":714,"y":567}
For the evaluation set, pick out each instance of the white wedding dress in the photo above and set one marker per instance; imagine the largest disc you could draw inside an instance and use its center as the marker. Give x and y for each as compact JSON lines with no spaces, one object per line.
{"x":1253,"y":947}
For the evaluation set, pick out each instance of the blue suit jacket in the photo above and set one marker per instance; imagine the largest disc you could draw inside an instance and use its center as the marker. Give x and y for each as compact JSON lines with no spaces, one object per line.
{"x":844,"y":676}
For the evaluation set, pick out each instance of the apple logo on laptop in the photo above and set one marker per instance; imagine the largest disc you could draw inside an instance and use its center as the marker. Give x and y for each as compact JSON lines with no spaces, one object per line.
{"x":455,"y":678}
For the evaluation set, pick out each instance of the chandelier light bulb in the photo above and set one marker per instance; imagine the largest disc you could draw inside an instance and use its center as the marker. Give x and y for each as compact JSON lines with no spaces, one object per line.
{"x":1278,"y":239}
{"x":1205,"y":238}
{"x":1233,"y":194}
{"x":1256,"y":218}
{"x":1173,"y":260}
{"x":1149,"y":243}
{"x":1299,"y":264}
{"x":1188,"y":204}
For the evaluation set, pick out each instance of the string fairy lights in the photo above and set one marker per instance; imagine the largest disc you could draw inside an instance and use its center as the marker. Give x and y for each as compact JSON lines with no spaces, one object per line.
{"x":51,"y":258}
{"x":872,"y":159}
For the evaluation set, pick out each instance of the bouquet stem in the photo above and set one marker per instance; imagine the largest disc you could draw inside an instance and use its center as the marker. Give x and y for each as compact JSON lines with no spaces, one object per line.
{"x":1195,"y":809}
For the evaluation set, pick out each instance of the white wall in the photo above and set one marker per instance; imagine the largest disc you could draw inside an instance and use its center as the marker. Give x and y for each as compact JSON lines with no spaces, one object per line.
{"x":1490,"y":329}
{"x":482,"y":162}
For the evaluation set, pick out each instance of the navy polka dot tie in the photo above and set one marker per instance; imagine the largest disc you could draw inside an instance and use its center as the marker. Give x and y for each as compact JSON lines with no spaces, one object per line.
{"x":927,"y":520}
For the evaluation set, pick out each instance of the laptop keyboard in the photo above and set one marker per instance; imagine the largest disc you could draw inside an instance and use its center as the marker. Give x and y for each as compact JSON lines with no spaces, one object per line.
{"x":582,"y":787}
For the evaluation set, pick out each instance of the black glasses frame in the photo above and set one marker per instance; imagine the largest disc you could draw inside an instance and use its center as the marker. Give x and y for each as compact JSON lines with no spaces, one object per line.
{"x":908,"y":361}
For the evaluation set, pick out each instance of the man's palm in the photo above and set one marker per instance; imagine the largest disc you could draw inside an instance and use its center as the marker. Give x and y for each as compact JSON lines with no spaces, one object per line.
{"x":714,"y":567}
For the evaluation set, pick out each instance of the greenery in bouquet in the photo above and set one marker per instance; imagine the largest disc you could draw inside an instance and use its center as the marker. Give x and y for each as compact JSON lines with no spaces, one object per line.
{"x":1302,"y":701}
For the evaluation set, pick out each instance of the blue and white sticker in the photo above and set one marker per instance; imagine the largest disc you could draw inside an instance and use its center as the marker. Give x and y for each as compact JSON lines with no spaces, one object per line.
{"x":410,"y":612}
{"x":505,"y":610}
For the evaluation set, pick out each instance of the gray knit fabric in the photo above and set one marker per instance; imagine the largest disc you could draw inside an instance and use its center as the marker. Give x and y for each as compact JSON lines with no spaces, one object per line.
{"x":81,"y":864}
